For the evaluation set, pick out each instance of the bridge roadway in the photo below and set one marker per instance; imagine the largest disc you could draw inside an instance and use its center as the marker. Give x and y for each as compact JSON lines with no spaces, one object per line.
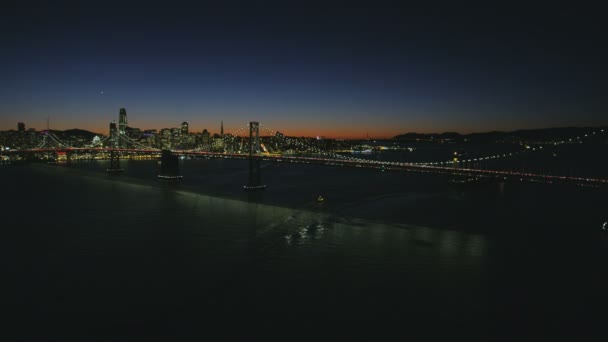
{"x":350,"y":162}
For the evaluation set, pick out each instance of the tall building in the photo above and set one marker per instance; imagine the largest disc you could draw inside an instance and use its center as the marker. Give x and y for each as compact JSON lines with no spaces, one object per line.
{"x":184,"y":128}
{"x":122,"y":127}
{"x":151,"y":136}
{"x":165,"y":138}
{"x":134,"y":133}
{"x":222,"y":129}
{"x":205,"y":137}
{"x":279,"y":139}
{"x":122,"y":121}
{"x":21,"y":127}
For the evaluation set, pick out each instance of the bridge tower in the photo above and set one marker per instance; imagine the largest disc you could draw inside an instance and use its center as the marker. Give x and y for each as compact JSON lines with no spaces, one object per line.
{"x":113,"y":134}
{"x":255,"y":182}
{"x":122,"y":127}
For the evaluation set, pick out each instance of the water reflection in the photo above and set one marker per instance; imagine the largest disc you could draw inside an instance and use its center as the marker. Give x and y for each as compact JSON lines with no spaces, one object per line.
{"x":304,"y":232}
{"x":127,"y":241}
{"x":404,"y":243}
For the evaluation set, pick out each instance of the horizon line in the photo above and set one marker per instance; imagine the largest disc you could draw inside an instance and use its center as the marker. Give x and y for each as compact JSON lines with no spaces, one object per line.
{"x":366,"y":137}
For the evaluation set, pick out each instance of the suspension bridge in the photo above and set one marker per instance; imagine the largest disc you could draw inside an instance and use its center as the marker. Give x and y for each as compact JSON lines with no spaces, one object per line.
{"x":246,"y":143}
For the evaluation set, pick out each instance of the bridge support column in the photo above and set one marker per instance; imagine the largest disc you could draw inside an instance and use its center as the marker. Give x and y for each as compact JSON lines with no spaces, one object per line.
{"x":169,"y":166}
{"x":114,"y":163}
{"x":255,"y":181}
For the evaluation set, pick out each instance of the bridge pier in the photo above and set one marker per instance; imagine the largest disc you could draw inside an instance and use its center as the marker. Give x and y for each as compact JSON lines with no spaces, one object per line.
{"x":169,"y":166}
{"x":114,"y":163}
{"x":68,"y":157}
{"x":51,"y":157}
{"x":255,"y":181}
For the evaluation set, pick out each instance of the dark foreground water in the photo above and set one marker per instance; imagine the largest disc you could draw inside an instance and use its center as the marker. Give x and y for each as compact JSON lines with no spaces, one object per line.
{"x":92,"y":256}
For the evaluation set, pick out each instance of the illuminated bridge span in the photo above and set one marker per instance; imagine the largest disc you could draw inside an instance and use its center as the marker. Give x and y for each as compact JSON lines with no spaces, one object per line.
{"x":250,"y":147}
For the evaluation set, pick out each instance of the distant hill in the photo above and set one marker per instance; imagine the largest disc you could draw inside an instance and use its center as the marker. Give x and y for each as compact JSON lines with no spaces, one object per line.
{"x":518,"y":135}
{"x":75,"y":132}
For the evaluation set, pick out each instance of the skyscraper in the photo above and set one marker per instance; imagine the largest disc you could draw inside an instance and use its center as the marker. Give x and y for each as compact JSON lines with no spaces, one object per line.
{"x":21,"y":127}
{"x":205,"y":137}
{"x":122,"y":127}
{"x":184,"y":129}
{"x":122,"y":121}
{"x":222,"y":129}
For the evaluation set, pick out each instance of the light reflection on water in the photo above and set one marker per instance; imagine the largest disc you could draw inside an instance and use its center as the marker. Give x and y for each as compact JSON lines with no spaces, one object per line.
{"x":129,"y":241}
{"x":308,"y":228}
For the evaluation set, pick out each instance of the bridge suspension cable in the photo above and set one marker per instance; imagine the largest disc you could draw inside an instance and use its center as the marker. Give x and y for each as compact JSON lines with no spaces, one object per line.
{"x":57,"y":140}
{"x":101,"y":141}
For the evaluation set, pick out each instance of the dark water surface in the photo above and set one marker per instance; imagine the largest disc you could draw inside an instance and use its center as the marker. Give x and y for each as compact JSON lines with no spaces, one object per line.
{"x":91,"y":255}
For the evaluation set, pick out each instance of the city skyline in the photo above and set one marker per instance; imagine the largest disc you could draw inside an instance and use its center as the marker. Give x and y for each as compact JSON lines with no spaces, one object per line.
{"x":219,"y":129}
{"x":335,"y":71}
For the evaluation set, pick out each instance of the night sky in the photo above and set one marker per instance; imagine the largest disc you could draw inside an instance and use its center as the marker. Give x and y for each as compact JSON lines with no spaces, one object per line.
{"x":304,"y":68}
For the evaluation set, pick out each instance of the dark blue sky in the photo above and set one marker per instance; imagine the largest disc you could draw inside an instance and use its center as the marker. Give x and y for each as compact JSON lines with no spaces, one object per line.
{"x":304,"y":68}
